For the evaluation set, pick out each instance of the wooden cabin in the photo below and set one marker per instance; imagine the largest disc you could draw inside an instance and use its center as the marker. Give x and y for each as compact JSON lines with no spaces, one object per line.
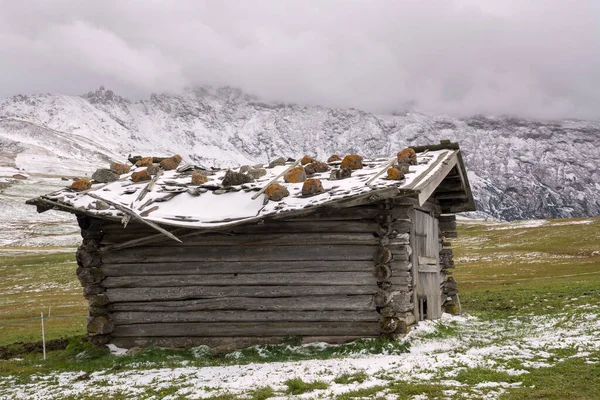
{"x":224,"y":265}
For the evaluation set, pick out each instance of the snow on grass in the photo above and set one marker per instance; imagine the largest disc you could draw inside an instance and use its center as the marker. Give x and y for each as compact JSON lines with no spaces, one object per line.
{"x":445,"y":353}
{"x":534,"y":223}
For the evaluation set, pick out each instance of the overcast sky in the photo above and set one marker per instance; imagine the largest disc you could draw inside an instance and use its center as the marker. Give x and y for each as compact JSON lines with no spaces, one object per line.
{"x":537,"y":58}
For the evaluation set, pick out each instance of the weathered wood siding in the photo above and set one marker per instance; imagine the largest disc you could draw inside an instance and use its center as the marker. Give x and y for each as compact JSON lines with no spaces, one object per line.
{"x":336,"y":275}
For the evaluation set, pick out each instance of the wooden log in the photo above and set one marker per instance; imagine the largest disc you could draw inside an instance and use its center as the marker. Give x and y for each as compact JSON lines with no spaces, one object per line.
{"x":382,"y":255}
{"x":87,"y":259}
{"x":394,"y":298}
{"x":307,"y":303}
{"x":120,"y":318}
{"x":382,"y":298}
{"x":269,"y":226}
{"x":223,"y":344}
{"x":240,"y":267}
{"x":99,"y":340}
{"x":97,"y":312}
{"x":239,"y":253}
{"x":355,"y":213}
{"x":233,"y":329}
{"x":447,"y":226}
{"x":402,"y":225}
{"x":91,"y":290}
{"x":449,"y":234}
{"x":400,"y":239}
{"x":208,"y":292}
{"x":99,"y":325}
{"x":401,"y":305}
{"x":99,"y":300}
{"x":447,"y":218}
{"x":388,"y":325}
{"x":291,"y":239}
{"x":446,"y":252}
{"x":382,"y":272}
{"x":400,"y":265}
{"x":89,"y":276}
{"x":88,"y":223}
{"x":299,"y":279}
{"x":92,"y":234}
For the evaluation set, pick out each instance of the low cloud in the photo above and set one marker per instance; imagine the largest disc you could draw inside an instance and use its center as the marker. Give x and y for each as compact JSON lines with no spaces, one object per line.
{"x":537,"y":58}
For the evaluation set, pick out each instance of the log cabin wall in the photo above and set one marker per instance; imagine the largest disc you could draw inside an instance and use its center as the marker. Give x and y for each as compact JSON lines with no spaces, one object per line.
{"x":333,"y":276}
{"x":447,"y":226}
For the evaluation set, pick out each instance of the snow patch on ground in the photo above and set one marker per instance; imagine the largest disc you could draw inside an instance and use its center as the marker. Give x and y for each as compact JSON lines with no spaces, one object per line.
{"x":432,"y":357}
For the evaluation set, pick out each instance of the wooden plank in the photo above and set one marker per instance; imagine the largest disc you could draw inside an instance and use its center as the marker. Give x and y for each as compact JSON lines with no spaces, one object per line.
{"x":133,"y":317}
{"x":240,"y":267}
{"x":449,"y":234}
{"x":447,"y":218}
{"x":290,"y":239}
{"x":429,"y":184}
{"x":116,"y":295}
{"x":223,"y":344}
{"x":444,"y":145}
{"x":447,"y":226}
{"x":308,"y":303}
{"x":427,"y":260}
{"x":113,"y":241}
{"x":299,"y":226}
{"x":269,"y":226}
{"x":240,"y":253}
{"x":233,"y":329}
{"x":266,"y":279}
{"x":429,"y":268}
{"x":457,"y":195}
{"x":354,"y":213}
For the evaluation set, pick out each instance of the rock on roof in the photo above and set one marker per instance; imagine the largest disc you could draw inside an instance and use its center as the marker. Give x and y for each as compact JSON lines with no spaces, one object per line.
{"x":170,"y":198}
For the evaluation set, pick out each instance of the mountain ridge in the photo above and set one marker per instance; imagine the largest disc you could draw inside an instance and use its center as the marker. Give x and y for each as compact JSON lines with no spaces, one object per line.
{"x":518,"y":168}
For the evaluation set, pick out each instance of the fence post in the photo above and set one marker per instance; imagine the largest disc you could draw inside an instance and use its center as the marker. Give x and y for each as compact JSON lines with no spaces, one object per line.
{"x":43,"y":336}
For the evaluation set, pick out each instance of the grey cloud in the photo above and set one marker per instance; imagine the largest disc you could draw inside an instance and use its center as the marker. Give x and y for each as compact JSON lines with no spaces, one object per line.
{"x":537,"y":58}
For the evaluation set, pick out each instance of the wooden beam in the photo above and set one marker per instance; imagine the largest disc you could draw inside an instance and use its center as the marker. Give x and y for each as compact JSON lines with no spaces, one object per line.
{"x":223,"y":344}
{"x":224,"y":267}
{"x":226,"y":329}
{"x":292,"y":303}
{"x":229,"y":280}
{"x":136,"y":317}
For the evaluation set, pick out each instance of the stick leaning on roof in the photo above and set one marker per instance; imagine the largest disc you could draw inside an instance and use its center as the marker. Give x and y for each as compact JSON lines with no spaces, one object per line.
{"x":133,"y":215}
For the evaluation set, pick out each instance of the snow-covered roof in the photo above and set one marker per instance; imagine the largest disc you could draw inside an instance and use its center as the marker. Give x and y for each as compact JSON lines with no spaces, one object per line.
{"x":173,"y":201}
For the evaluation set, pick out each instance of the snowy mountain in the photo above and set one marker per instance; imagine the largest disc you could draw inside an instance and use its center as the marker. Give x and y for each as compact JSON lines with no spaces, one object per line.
{"x":518,"y":168}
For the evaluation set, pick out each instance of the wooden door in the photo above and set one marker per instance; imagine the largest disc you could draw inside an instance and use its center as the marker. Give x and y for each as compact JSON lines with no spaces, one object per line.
{"x":426,"y":267}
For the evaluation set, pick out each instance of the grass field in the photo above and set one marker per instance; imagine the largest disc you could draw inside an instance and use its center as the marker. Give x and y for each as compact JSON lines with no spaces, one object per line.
{"x":531,"y":291}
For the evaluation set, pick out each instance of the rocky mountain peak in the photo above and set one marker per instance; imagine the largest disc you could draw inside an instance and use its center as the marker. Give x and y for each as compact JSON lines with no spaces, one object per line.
{"x":518,"y":168}
{"x":105,"y":97}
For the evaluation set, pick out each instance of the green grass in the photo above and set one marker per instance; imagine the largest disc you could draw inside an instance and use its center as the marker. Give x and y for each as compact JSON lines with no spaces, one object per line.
{"x":527,"y":270}
{"x":502,"y":273}
{"x":572,"y":378}
{"x":297,"y":386}
{"x":358,"y":377}
{"x":35,"y":283}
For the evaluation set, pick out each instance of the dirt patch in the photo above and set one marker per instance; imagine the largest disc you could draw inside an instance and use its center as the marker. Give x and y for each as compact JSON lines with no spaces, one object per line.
{"x":19,"y":348}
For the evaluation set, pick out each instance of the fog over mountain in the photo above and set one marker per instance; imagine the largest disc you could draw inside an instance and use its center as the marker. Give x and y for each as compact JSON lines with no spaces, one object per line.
{"x":518,"y":168}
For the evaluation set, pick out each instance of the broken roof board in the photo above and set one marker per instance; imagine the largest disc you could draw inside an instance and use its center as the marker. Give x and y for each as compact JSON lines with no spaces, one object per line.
{"x":213,"y":208}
